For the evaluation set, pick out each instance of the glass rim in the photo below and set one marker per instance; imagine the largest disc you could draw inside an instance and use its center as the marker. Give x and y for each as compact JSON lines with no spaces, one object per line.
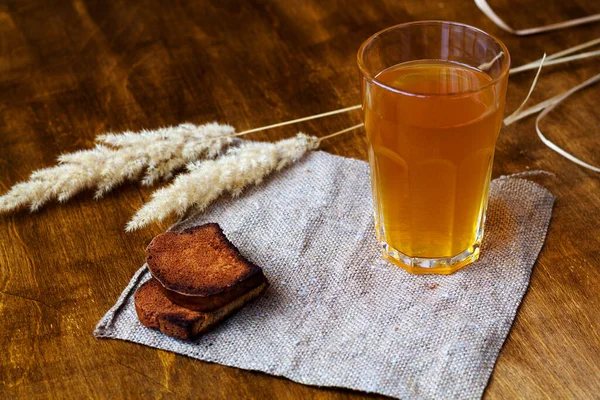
{"x":365,"y":72}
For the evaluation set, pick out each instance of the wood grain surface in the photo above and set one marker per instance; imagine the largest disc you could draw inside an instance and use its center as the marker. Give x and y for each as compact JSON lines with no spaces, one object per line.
{"x":71,"y":69}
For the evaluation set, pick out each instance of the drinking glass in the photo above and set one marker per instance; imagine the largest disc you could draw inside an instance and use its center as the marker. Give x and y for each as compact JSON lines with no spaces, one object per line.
{"x":433,"y":97}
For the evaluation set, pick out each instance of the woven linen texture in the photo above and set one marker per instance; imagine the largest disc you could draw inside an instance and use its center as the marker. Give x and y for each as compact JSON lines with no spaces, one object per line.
{"x":336,"y":314}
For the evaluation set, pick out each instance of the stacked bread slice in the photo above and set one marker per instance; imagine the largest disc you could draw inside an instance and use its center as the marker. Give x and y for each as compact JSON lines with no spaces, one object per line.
{"x":198,"y":279}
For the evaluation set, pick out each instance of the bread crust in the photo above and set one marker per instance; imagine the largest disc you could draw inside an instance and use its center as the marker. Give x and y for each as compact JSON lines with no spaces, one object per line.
{"x":199,"y":268}
{"x":155,"y":310}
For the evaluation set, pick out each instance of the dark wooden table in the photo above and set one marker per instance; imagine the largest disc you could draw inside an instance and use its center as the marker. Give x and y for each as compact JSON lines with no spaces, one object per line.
{"x":70,"y":70}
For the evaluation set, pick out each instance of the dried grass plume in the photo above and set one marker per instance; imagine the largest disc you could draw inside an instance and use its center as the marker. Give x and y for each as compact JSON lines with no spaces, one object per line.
{"x":117,"y":158}
{"x":205,"y":181}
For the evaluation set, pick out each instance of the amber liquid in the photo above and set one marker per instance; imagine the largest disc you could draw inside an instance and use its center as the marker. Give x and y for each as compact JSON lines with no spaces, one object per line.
{"x":431,"y":155}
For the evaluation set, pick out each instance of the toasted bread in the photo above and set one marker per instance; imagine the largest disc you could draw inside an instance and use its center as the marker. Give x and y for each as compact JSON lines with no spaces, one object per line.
{"x":200,"y":269}
{"x":155,"y":310}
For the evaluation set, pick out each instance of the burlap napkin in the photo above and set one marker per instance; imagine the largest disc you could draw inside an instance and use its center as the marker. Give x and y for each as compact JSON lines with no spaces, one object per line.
{"x":336,"y":313}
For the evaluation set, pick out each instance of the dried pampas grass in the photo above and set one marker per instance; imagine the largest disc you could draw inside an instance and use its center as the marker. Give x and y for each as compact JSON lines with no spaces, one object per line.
{"x":214,"y":166}
{"x":205,"y":181}
{"x":117,"y":158}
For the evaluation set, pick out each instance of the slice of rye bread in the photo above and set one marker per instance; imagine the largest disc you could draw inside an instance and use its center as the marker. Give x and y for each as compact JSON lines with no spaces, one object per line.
{"x":155,"y":310}
{"x":200,"y":268}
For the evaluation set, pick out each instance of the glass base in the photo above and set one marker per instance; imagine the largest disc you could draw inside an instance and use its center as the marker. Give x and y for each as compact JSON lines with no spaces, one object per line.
{"x":440,"y":266}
